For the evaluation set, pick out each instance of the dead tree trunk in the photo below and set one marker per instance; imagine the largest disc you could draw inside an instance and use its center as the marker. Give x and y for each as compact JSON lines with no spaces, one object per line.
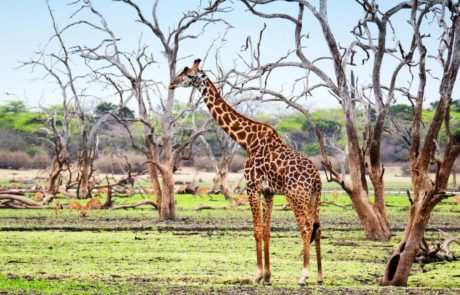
{"x":53,"y":180}
{"x":85,"y":172}
{"x":168,"y":203}
{"x":428,"y":192}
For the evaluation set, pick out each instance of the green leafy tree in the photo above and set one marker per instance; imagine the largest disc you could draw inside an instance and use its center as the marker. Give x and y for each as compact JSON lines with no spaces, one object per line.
{"x":106,"y":107}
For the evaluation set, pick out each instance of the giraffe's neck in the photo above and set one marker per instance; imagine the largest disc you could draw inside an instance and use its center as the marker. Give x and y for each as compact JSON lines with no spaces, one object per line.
{"x":249,"y":134}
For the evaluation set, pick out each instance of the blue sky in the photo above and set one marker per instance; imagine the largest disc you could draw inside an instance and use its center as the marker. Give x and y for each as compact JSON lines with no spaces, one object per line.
{"x":26,"y":26}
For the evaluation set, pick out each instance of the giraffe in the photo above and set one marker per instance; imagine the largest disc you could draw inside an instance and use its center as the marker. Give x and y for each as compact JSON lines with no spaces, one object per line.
{"x":272,"y":167}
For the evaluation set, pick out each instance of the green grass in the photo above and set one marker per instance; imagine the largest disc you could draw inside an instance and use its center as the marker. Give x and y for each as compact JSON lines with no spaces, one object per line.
{"x":210,"y":251}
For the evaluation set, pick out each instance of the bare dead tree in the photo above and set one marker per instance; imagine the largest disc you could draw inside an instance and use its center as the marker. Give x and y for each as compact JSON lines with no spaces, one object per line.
{"x":59,"y":64}
{"x":363,"y":153}
{"x":228,"y":149}
{"x":424,"y":150}
{"x":58,"y":140}
{"x":57,"y":128}
{"x":161,"y":152}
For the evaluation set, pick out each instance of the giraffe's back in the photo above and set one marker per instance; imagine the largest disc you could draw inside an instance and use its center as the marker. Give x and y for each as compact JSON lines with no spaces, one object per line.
{"x":282,"y":170}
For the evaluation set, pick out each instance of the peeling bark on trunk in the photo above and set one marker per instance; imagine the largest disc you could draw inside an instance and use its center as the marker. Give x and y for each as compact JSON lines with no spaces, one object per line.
{"x":375,"y":226}
{"x":168,"y":203}
{"x":55,"y":172}
{"x":85,"y":174}
{"x":153,"y":173}
{"x":372,"y":217}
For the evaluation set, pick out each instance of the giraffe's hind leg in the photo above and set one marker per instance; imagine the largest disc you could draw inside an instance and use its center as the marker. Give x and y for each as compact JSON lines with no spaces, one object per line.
{"x":304,"y":218}
{"x":306,"y":232}
{"x":317,"y":232}
{"x":267,"y":211}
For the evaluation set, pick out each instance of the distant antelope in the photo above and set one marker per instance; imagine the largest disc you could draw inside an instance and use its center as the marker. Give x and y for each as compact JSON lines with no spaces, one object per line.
{"x":130,"y":191}
{"x":334,"y":197}
{"x":201,"y":191}
{"x":94,"y":204}
{"x":149,"y":191}
{"x":100,"y":191}
{"x":241,"y":199}
{"x":181,"y":189}
{"x":38,"y":196}
{"x":455,"y":199}
{"x":77,"y":206}
{"x":57,"y":206}
{"x":14,"y":185}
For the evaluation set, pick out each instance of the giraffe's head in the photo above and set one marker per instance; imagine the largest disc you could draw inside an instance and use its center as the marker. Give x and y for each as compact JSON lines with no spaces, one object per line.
{"x":189,"y":77}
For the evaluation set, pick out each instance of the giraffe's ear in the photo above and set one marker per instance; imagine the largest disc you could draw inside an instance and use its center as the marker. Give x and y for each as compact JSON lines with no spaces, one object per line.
{"x":196,"y":63}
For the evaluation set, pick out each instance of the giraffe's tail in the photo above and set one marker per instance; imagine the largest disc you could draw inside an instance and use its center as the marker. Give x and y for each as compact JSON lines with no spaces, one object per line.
{"x":316,"y":224}
{"x":313,"y":234}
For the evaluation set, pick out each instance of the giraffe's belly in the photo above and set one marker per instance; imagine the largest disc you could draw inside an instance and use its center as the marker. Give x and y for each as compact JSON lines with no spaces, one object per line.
{"x":273,"y":184}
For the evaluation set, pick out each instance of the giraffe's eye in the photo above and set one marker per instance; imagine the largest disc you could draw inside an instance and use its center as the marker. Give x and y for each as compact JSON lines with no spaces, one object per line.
{"x":190,"y":76}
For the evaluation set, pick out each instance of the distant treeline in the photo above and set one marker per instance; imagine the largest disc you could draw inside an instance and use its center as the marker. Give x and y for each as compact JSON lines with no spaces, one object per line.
{"x":25,"y":142}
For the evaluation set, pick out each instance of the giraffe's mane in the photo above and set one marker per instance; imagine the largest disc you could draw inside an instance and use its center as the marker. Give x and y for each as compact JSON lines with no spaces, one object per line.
{"x":213,"y":87}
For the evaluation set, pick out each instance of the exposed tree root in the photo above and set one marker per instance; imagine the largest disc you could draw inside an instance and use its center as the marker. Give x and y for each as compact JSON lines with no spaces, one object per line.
{"x":437,"y":252}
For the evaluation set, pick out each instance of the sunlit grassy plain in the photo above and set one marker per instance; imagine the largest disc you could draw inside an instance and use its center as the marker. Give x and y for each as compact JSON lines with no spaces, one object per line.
{"x":209,"y":251}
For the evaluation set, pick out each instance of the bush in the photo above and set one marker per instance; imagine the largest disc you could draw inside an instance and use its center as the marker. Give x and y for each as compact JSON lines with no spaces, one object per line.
{"x":405,"y":169}
{"x":21,"y":160}
{"x":108,"y":163}
{"x":237,"y":164}
{"x":335,"y":161}
{"x":41,"y":161}
{"x":203,"y":164}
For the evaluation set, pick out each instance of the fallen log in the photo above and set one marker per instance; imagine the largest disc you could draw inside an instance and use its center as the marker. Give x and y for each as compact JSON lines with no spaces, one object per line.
{"x":208,"y":207}
{"x":19,"y":202}
{"x":137,"y":204}
{"x":17,"y":191}
{"x":335,"y":204}
{"x":66,"y":193}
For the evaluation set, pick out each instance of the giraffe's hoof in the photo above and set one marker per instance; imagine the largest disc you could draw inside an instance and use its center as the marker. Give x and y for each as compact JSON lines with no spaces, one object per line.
{"x":319,"y":279}
{"x":257,"y":281}
{"x":258,"y":278}
{"x":301,"y":284}
{"x":266,"y":283}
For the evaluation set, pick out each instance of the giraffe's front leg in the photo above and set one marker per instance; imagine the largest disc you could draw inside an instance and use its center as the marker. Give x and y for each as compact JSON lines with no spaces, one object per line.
{"x":255,"y":208}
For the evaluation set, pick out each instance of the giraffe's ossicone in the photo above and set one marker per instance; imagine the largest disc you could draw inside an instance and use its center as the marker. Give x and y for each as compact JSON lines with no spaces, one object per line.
{"x":272,"y":168}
